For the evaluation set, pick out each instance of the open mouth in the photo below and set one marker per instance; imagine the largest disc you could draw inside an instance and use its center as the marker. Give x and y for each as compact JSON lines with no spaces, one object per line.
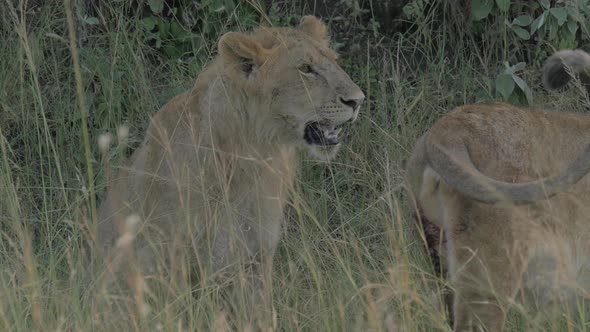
{"x":320,"y":134}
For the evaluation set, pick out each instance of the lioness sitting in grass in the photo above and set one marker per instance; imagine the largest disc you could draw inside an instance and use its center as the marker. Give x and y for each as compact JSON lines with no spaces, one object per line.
{"x":212,"y":175}
{"x":509,"y":188}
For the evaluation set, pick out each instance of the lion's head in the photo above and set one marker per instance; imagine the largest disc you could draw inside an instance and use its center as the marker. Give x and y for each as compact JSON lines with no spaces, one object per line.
{"x":292,"y":82}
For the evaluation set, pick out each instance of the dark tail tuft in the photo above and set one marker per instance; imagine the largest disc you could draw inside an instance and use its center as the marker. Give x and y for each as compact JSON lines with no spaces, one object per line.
{"x":560,"y":67}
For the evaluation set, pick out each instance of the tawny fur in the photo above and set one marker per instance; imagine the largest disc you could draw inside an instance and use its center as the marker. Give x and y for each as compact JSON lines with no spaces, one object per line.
{"x":509,"y":187}
{"x":213,"y":173}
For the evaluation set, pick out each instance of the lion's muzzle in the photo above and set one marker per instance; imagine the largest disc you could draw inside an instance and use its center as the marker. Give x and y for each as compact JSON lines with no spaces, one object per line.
{"x":353,"y":101}
{"x":324,"y":132}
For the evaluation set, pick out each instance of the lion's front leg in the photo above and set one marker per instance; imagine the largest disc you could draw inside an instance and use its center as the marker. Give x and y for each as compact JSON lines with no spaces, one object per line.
{"x":237,"y":238}
{"x":237,"y":253}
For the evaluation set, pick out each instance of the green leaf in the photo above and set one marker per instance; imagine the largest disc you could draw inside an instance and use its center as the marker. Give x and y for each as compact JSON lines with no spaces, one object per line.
{"x":520,"y":32}
{"x":567,"y":40}
{"x":148,"y":23}
{"x":90,"y":20}
{"x":537,"y":23}
{"x":519,"y":66}
{"x":560,"y":14}
{"x":217,"y":6}
{"x":545,"y":3}
{"x":164,"y":29}
{"x":480,"y":9}
{"x":553,"y":28}
{"x":409,"y":10}
{"x":524,"y":88}
{"x":573,"y":12}
{"x":176,"y":31}
{"x":504,"y":5}
{"x":172,"y":52}
{"x":572,"y":26}
{"x":156,"y":6}
{"x":523,"y":20}
{"x":578,"y":14}
{"x":505,"y":85}
{"x":230,"y":5}
{"x":513,"y":69}
{"x":568,"y":43}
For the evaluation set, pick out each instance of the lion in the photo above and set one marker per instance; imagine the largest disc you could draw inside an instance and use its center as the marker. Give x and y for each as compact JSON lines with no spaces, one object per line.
{"x":213,"y":174}
{"x":508,"y":187}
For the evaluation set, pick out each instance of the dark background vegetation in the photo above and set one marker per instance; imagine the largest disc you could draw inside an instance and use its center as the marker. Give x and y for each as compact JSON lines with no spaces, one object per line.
{"x":415,"y":59}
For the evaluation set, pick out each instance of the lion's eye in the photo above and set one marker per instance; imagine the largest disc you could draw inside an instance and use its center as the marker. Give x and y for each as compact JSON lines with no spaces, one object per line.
{"x":306,"y":69}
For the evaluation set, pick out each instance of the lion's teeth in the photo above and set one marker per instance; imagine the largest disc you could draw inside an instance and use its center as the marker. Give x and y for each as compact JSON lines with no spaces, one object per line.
{"x":331,"y":134}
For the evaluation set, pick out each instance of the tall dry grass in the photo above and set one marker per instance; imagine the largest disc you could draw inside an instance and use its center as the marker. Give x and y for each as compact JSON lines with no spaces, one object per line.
{"x":351,"y":256}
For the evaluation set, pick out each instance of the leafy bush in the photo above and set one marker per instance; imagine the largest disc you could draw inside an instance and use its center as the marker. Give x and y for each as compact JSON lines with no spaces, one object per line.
{"x":521,"y":33}
{"x":558,"y":24}
{"x":183,"y":28}
{"x":529,"y":31}
{"x":511,"y":87}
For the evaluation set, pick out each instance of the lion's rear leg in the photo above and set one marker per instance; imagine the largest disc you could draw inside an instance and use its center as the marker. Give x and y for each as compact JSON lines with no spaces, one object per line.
{"x":241,"y":275}
{"x":483,"y":277}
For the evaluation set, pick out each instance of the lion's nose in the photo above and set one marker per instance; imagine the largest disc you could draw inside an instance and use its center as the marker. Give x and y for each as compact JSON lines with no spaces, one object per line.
{"x":354,"y":102}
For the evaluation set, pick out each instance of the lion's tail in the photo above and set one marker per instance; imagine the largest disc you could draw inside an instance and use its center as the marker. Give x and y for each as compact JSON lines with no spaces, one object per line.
{"x":459,"y":172}
{"x":561,"y":66}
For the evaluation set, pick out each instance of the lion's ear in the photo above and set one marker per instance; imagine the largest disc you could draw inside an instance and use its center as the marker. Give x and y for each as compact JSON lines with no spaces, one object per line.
{"x":241,"y":48}
{"x":315,"y":28}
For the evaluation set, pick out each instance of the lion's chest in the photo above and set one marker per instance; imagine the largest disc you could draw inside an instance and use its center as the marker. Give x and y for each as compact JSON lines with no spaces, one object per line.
{"x":258,"y":190}
{"x":255,"y":193}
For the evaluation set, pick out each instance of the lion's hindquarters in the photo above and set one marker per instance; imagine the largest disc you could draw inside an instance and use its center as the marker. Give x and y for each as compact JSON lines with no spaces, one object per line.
{"x":471,"y":174}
